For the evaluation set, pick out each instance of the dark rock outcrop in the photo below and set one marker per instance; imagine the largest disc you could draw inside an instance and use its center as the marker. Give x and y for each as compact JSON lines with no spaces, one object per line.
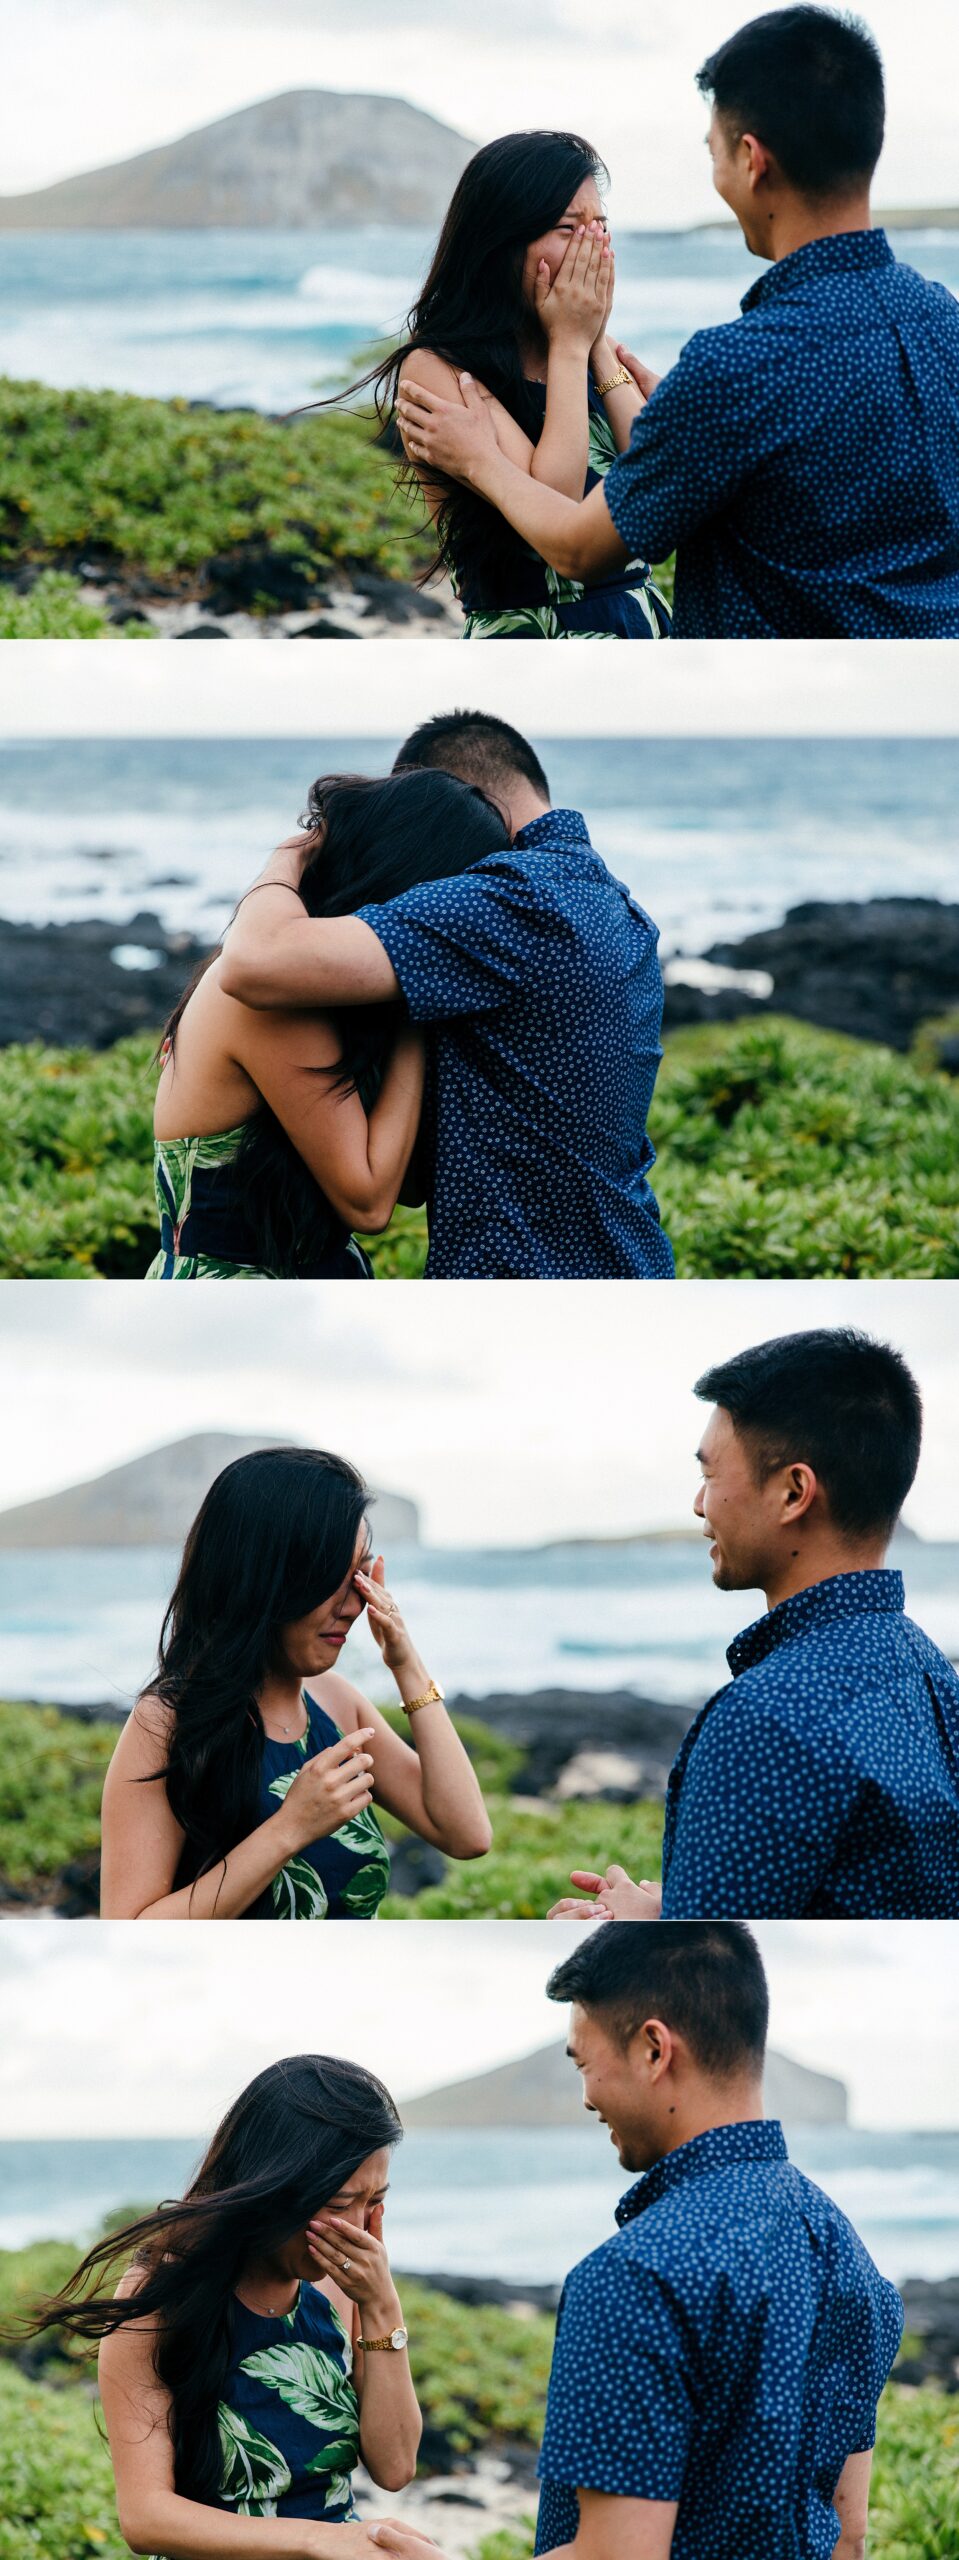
{"x":875,"y":969}
{"x":60,"y":983}
{"x":563,"y":1730}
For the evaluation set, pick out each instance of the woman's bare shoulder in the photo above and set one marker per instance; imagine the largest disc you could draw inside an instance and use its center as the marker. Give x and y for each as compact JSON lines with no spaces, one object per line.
{"x":145,"y":1739}
{"x":341,"y":1700}
{"x":434,"y":372}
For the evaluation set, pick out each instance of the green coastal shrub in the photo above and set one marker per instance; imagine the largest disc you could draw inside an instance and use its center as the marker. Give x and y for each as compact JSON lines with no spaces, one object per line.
{"x":162,"y":487}
{"x":783,"y":1152}
{"x":54,"y":608}
{"x":787,"y":1152}
{"x":534,"y":1851}
{"x":52,"y":1769}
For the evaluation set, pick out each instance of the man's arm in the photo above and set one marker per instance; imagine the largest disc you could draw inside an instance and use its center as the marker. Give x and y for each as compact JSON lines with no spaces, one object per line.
{"x":577,"y":537}
{"x":851,"y":2502}
{"x":275,"y":955}
{"x":763,"y":1801}
{"x":622,"y":2528}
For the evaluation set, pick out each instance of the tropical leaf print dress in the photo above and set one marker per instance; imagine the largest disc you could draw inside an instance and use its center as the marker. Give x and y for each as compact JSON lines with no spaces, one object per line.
{"x":343,"y":1877}
{"x":204,"y":1235}
{"x":289,"y":2418}
{"x":544,"y":606}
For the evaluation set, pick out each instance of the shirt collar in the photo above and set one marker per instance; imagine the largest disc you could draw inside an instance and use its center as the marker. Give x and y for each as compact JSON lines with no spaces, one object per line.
{"x":824,"y":1604}
{"x":723,"y":2147}
{"x":555,"y":827}
{"x":843,"y":253}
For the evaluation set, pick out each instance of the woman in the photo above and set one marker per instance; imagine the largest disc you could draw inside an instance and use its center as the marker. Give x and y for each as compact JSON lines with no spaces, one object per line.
{"x":276,"y":1134}
{"x":233,"y":2373}
{"x":519,"y":294}
{"x":236,"y":1790}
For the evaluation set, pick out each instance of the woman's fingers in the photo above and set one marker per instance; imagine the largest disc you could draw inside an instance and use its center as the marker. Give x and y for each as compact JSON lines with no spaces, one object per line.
{"x":350,"y":1746}
{"x":403,"y":2539}
{"x":586,"y":1879}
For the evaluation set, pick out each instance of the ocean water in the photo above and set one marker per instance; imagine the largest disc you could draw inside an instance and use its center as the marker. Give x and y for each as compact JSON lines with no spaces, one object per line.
{"x":81,"y":1626}
{"x":715,"y":837}
{"x":272,"y":319}
{"x":519,"y":2205}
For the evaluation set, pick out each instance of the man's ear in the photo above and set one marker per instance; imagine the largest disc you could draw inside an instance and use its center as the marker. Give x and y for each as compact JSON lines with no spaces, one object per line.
{"x":758,"y":161}
{"x":658,"y":2045}
{"x":800,"y":1488}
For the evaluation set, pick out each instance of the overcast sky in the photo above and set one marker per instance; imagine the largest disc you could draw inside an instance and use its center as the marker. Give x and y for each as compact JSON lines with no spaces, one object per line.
{"x":510,"y":1413}
{"x":88,"y":81}
{"x":134,"y":2030}
{"x":66,"y":688}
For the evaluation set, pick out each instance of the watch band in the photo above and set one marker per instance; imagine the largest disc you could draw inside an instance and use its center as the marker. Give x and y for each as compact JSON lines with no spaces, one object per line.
{"x":434,"y":1696}
{"x":396,"y":2340}
{"x":614,"y":382}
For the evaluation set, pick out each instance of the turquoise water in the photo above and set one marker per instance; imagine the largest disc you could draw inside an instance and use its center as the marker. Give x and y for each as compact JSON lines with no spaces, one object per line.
{"x":715,"y":836}
{"x":268,"y":319}
{"x":82,"y":1626}
{"x":520,"y":2204}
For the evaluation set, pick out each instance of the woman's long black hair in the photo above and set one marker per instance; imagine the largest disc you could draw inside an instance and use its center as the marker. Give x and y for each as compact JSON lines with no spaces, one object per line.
{"x":365,"y":841}
{"x":287,"y":2146}
{"x":472,"y":312}
{"x":273,"y":1539}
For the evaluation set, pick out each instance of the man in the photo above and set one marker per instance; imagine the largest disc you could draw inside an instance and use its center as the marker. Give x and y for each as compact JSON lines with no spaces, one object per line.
{"x":719,"y":2362}
{"x":824,"y":1779}
{"x":803,"y":461}
{"x":536,"y":975}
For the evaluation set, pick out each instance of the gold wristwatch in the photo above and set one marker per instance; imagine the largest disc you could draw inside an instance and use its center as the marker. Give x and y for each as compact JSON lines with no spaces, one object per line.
{"x":398,"y":2339}
{"x":434,"y":1696}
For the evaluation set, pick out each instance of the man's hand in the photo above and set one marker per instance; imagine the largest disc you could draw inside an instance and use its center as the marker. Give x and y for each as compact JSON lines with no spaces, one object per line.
{"x":645,"y":381}
{"x":615,"y":1897}
{"x":457,"y":437}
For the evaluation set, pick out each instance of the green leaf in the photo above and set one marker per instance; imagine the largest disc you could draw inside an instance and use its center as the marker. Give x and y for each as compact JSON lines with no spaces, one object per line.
{"x":315,"y":2386}
{"x":254,"y":2472}
{"x":299,"y":1893}
{"x":362,"y":1895}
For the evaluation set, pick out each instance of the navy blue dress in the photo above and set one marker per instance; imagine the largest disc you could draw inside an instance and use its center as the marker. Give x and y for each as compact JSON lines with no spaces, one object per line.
{"x":289,"y":2418}
{"x":343,"y":1877}
{"x":539,"y":604}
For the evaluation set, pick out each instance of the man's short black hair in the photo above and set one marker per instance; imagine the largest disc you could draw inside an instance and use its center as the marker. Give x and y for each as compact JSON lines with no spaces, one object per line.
{"x":477,"y":747}
{"x":703,"y":1978}
{"x":809,"y":84}
{"x":848,"y":1406}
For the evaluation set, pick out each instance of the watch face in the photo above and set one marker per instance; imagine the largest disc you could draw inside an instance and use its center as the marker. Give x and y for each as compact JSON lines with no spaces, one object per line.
{"x":399,"y":2337}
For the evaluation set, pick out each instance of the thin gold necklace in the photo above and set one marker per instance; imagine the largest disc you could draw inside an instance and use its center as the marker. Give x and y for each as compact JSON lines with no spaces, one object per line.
{"x":269,"y":2310}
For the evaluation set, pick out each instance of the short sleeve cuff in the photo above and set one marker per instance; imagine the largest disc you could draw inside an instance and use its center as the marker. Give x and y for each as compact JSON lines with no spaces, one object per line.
{"x":627,"y":2474}
{"x":619,"y":494}
{"x":402,"y":944}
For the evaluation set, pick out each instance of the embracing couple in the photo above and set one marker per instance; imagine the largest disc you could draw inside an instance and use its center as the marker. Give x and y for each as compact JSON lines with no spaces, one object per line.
{"x":718,"y":2361}
{"x":801,"y":460}
{"x":437,"y":993}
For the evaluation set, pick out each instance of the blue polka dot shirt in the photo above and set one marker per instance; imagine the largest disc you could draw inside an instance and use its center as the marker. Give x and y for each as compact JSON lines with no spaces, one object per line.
{"x":539,"y":977}
{"x":804,"y":459}
{"x":824,"y":1780}
{"x":727,"y":2349}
